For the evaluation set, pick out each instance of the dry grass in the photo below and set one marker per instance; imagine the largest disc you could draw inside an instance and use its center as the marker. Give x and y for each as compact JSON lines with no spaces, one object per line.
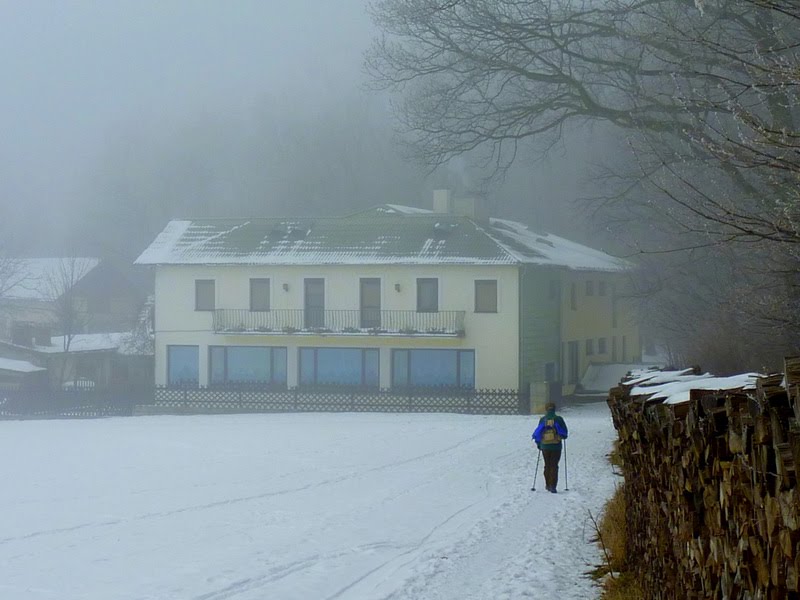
{"x":624,"y":587}
{"x":611,"y":530}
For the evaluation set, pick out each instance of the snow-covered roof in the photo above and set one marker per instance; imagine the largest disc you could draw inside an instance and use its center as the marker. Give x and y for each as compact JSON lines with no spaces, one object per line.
{"x":674,"y":387}
{"x":46,"y":278}
{"x":18,"y":366}
{"x":403,"y":210}
{"x":84,"y":342}
{"x":603,"y":377}
{"x":387,"y":234}
{"x":359,"y":239}
{"x":530,"y":247}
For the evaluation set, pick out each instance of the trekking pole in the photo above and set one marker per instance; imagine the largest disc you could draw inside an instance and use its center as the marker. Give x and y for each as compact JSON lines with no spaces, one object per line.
{"x":536,"y":472}
{"x":566,"y":468}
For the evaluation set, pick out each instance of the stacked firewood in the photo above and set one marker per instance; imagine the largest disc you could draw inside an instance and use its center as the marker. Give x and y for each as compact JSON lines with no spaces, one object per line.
{"x":711,"y":489}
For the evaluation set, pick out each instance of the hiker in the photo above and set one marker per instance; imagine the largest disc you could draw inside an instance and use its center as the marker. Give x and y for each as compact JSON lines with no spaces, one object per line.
{"x":548,"y":435}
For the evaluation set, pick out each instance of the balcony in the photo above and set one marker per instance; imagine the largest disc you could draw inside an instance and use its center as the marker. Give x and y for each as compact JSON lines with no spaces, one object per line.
{"x":448,"y":323}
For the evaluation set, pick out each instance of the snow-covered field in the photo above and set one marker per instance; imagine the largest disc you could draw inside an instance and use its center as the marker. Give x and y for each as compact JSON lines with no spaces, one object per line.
{"x":297,"y":506}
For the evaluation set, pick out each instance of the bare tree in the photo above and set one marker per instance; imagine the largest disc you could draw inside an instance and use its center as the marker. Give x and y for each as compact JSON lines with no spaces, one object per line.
{"x":704,"y":94}
{"x":71,"y":316}
{"x":11,"y":274}
{"x":480,"y":75}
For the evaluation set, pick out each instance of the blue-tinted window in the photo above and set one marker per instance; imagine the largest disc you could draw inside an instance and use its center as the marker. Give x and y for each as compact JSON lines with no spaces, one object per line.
{"x":247,"y":364}
{"x":339,"y":366}
{"x":183,"y":364}
{"x":372,"y":368}
{"x":466,"y":371}
{"x":279,"y":365}
{"x":307,"y":366}
{"x":399,"y":368}
{"x":217,"y":364}
{"x":433,"y":368}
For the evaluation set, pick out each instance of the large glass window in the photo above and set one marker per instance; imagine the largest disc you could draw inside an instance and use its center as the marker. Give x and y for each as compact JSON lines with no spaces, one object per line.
{"x":486,"y":295}
{"x":204,"y":294}
{"x":259,"y":294}
{"x":427,"y":294}
{"x":454,"y":368}
{"x":183,"y":364}
{"x":247,"y":364}
{"x":339,"y":366}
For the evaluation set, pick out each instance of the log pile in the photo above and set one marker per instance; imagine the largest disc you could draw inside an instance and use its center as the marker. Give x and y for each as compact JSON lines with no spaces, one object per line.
{"x":711,"y":489}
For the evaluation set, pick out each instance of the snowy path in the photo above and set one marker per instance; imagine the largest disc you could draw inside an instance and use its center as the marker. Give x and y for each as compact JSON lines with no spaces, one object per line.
{"x":305,"y":507}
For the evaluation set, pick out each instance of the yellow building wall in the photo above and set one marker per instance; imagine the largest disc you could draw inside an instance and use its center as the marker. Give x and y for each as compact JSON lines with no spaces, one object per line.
{"x":591,"y":317}
{"x":493,"y":337}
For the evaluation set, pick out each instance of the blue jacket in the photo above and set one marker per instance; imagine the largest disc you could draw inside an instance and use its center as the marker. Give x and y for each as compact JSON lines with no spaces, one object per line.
{"x":559,"y":425}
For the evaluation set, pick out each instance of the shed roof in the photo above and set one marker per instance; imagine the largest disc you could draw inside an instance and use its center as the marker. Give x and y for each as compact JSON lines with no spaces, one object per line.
{"x":18,"y":366}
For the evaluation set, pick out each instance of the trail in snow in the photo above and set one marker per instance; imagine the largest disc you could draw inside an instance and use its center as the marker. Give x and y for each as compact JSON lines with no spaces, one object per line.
{"x":306,"y":507}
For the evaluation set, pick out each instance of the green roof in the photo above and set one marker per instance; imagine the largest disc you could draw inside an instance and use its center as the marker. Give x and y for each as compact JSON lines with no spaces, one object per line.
{"x":384,"y":235}
{"x":358,"y":239}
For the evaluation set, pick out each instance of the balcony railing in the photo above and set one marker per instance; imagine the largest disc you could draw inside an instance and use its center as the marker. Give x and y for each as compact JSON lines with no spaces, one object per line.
{"x":448,"y":323}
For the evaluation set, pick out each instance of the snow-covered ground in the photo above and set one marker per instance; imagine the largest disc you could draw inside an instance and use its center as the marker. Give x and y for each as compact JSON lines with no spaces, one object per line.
{"x":297,"y":506}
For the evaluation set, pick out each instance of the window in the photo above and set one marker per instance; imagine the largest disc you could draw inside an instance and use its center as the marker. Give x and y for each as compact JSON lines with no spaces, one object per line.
{"x":572,"y":362}
{"x":590,"y":288}
{"x":486,"y":295}
{"x":573,"y":296}
{"x":453,"y":368}
{"x":601,"y":288}
{"x":314,"y":303}
{"x":339,"y":366}
{"x":204,"y":294}
{"x":183,"y":363}
{"x":370,"y":300}
{"x":589,"y":347}
{"x":247,"y":365}
{"x":259,"y":294}
{"x":427,"y":295}
{"x":614,"y":348}
{"x":601,"y":346}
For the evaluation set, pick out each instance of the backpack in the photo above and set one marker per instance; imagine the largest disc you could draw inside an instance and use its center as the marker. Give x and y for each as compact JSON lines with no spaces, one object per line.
{"x":549,"y":433}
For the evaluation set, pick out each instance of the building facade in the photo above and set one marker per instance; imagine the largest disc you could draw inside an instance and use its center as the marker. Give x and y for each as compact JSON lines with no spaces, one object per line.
{"x":392,"y":297}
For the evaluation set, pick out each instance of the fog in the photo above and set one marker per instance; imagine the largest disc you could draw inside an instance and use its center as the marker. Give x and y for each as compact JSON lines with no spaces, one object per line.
{"x":118,"y":116}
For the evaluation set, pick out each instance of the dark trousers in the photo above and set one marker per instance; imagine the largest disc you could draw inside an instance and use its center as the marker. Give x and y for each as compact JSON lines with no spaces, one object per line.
{"x":551,"y":458}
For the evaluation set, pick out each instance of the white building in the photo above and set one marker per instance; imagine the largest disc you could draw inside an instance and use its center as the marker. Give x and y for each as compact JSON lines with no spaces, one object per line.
{"x":389,"y":297}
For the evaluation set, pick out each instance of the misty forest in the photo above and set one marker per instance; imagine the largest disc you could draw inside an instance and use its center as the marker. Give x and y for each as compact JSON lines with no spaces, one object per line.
{"x":664,"y":132}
